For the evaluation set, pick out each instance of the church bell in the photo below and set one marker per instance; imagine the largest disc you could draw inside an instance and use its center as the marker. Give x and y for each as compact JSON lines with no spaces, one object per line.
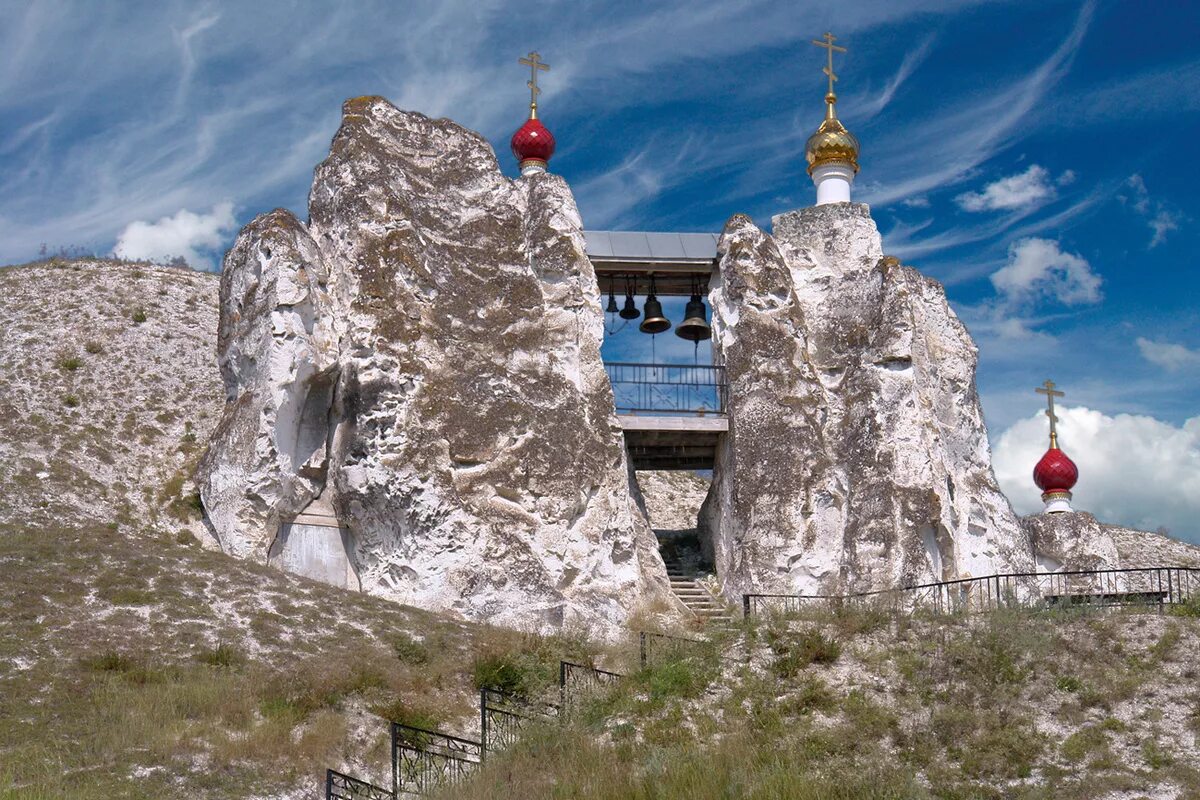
{"x":612,"y":301}
{"x":654,"y":322}
{"x":695,"y":326}
{"x":630,"y":310}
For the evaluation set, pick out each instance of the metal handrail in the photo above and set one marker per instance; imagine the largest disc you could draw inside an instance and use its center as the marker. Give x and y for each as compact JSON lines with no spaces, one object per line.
{"x":1005,"y":588}
{"x":671,"y":388}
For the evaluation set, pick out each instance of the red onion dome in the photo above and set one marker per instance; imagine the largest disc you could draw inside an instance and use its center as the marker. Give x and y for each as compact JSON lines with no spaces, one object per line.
{"x":533,"y":142}
{"x":1055,"y":472}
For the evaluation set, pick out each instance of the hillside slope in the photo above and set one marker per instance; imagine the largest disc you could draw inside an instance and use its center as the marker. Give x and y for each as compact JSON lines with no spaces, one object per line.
{"x":134,"y":663}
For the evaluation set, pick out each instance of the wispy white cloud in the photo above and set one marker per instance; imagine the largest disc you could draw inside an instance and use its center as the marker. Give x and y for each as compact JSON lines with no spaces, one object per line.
{"x":1023,"y":190}
{"x":941,"y":151}
{"x":1160,"y":217}
{"x":1039,"y":268}
{"x":912,"y":59}
{"x":186,"y":235}
{"x":1168,"y":355}
{"x":1134,"y":470}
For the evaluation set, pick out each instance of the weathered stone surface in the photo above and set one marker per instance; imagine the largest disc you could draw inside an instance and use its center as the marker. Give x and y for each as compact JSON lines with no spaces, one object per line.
{"x":857,"y":456}
{"x":1077,"y":540}
{"x":474,"y":451}
{"x":277,"y":351}
{"x":1073,"y":540}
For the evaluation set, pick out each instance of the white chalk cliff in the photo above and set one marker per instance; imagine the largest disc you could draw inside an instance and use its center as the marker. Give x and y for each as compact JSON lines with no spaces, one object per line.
{"x":428,"y":346}
{"x":857,"y":456}
{"x":414,"y":381}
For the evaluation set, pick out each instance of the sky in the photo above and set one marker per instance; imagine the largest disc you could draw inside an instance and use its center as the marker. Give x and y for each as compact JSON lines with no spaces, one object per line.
{"x":1035,"y":157}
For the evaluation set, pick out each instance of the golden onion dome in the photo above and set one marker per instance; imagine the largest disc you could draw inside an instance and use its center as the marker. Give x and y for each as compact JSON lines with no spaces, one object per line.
{"x":832,"y":143}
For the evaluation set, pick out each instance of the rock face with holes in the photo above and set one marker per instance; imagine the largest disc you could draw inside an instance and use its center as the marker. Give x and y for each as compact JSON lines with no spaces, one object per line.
{"x":857,"y":456}
{"x":424,"y":356}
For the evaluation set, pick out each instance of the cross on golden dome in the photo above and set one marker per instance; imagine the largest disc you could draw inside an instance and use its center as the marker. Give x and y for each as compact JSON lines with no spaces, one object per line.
{"x":829,"y":46}
{"x":535,"y":63}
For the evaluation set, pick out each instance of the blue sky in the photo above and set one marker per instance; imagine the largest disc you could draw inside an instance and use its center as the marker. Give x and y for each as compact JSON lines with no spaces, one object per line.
{"x":1036,"y":157}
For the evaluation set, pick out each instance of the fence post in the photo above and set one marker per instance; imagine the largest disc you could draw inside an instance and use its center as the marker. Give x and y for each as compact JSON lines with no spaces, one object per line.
{"x":745,"y":606}
{"x":395,"y":761}
{"x":483,"y":725}
{"x":562,"y":684}
{"x":642,"y":649}
{"x":328,"y":784}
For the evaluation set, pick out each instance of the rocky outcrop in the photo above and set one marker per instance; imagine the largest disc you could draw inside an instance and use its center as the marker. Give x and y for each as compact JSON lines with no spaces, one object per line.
{"x":468,"y":431}
{"x":278,"y":354}
{"x":857,"y":456}
{"x":1071,"y":541}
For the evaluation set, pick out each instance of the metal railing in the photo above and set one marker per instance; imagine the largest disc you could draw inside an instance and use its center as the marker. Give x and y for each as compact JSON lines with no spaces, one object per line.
{"x":425,"y":760}
{"x":668,"y":388}
{"x":1104,"y":587}
{"x":653,"y":647}
{"x":503,"y":715}
{"x":577,"y":682}
{"x":339,"y":786}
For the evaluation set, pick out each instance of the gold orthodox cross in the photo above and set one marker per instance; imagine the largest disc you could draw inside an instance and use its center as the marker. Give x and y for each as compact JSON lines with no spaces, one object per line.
{"x":829,"y":46}
{"x":535,"y":63}
{"x":1048,"y":389}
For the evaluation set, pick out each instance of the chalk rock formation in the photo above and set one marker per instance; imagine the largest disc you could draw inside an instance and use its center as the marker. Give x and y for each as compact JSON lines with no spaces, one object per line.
{"x":472,"y":446}
{"x":857,"y":456}
{"x":1072,"y":540}
{"x":277,"y":351}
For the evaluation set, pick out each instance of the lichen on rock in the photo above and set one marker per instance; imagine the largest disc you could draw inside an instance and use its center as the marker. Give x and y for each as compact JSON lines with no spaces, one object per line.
{"x":473,"y":447}
{"x":857,"y":456}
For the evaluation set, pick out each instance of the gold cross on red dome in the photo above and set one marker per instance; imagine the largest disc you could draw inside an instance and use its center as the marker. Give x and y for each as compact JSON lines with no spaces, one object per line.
{"x":1048,"y":389}
{"x":535,"y":63}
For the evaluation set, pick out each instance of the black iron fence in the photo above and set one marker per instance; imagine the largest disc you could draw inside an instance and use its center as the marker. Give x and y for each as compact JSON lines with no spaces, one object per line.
{"x":1105,"y":587}
{"x":578,"y":682}
{"x":668,"y":388}
{"x":655,"y":647}
{"x":503,"y":715}
{"x":339,"y":786}
{"x":424,"y":760}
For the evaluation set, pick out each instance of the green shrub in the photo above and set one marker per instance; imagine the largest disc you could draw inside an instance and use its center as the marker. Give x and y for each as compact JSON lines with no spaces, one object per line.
{"x":70,"y":400}
{"x":138,"y":316}
{"x":795,"y":652}
{"x":69,"y":363}
{"x":1068,"y":683}
{"x":500,"y":671}
{"x":408,"y":649}
{"x":223,"y":655}
{"x":94,"y":347}
{"x":399,"y":711}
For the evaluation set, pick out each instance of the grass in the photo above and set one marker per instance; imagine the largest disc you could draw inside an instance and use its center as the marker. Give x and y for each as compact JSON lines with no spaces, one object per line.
{"x":138,"y":315}
{"x":817,"y":706}
{"x":69,"y":363}
{"x":70,"y":400}
{"x":177,"y":670}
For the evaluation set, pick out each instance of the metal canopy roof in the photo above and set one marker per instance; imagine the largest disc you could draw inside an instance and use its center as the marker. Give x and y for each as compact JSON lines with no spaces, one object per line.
{"x":678,"y":261}
{"x":644,"y":247}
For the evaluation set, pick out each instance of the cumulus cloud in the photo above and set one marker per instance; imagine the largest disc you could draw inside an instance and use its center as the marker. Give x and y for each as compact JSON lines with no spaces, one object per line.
{"x":1039,"y":268}
{"x":1133,"y":470}
{"x":1168,"y":355}
{"x":185,"y":235}
{"x":1029,"y":188}
{"x":1159,"y":216}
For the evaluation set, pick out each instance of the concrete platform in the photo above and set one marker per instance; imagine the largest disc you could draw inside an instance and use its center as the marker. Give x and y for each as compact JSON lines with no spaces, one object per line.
{"x":672,"y":442}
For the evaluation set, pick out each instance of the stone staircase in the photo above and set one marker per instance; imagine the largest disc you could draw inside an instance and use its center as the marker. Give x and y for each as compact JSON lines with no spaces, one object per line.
{"x":686,"y":586}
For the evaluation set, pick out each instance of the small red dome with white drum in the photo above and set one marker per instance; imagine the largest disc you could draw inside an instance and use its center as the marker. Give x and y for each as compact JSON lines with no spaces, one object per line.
{"x":1055,"y":474}
{"x":533,"y":144}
